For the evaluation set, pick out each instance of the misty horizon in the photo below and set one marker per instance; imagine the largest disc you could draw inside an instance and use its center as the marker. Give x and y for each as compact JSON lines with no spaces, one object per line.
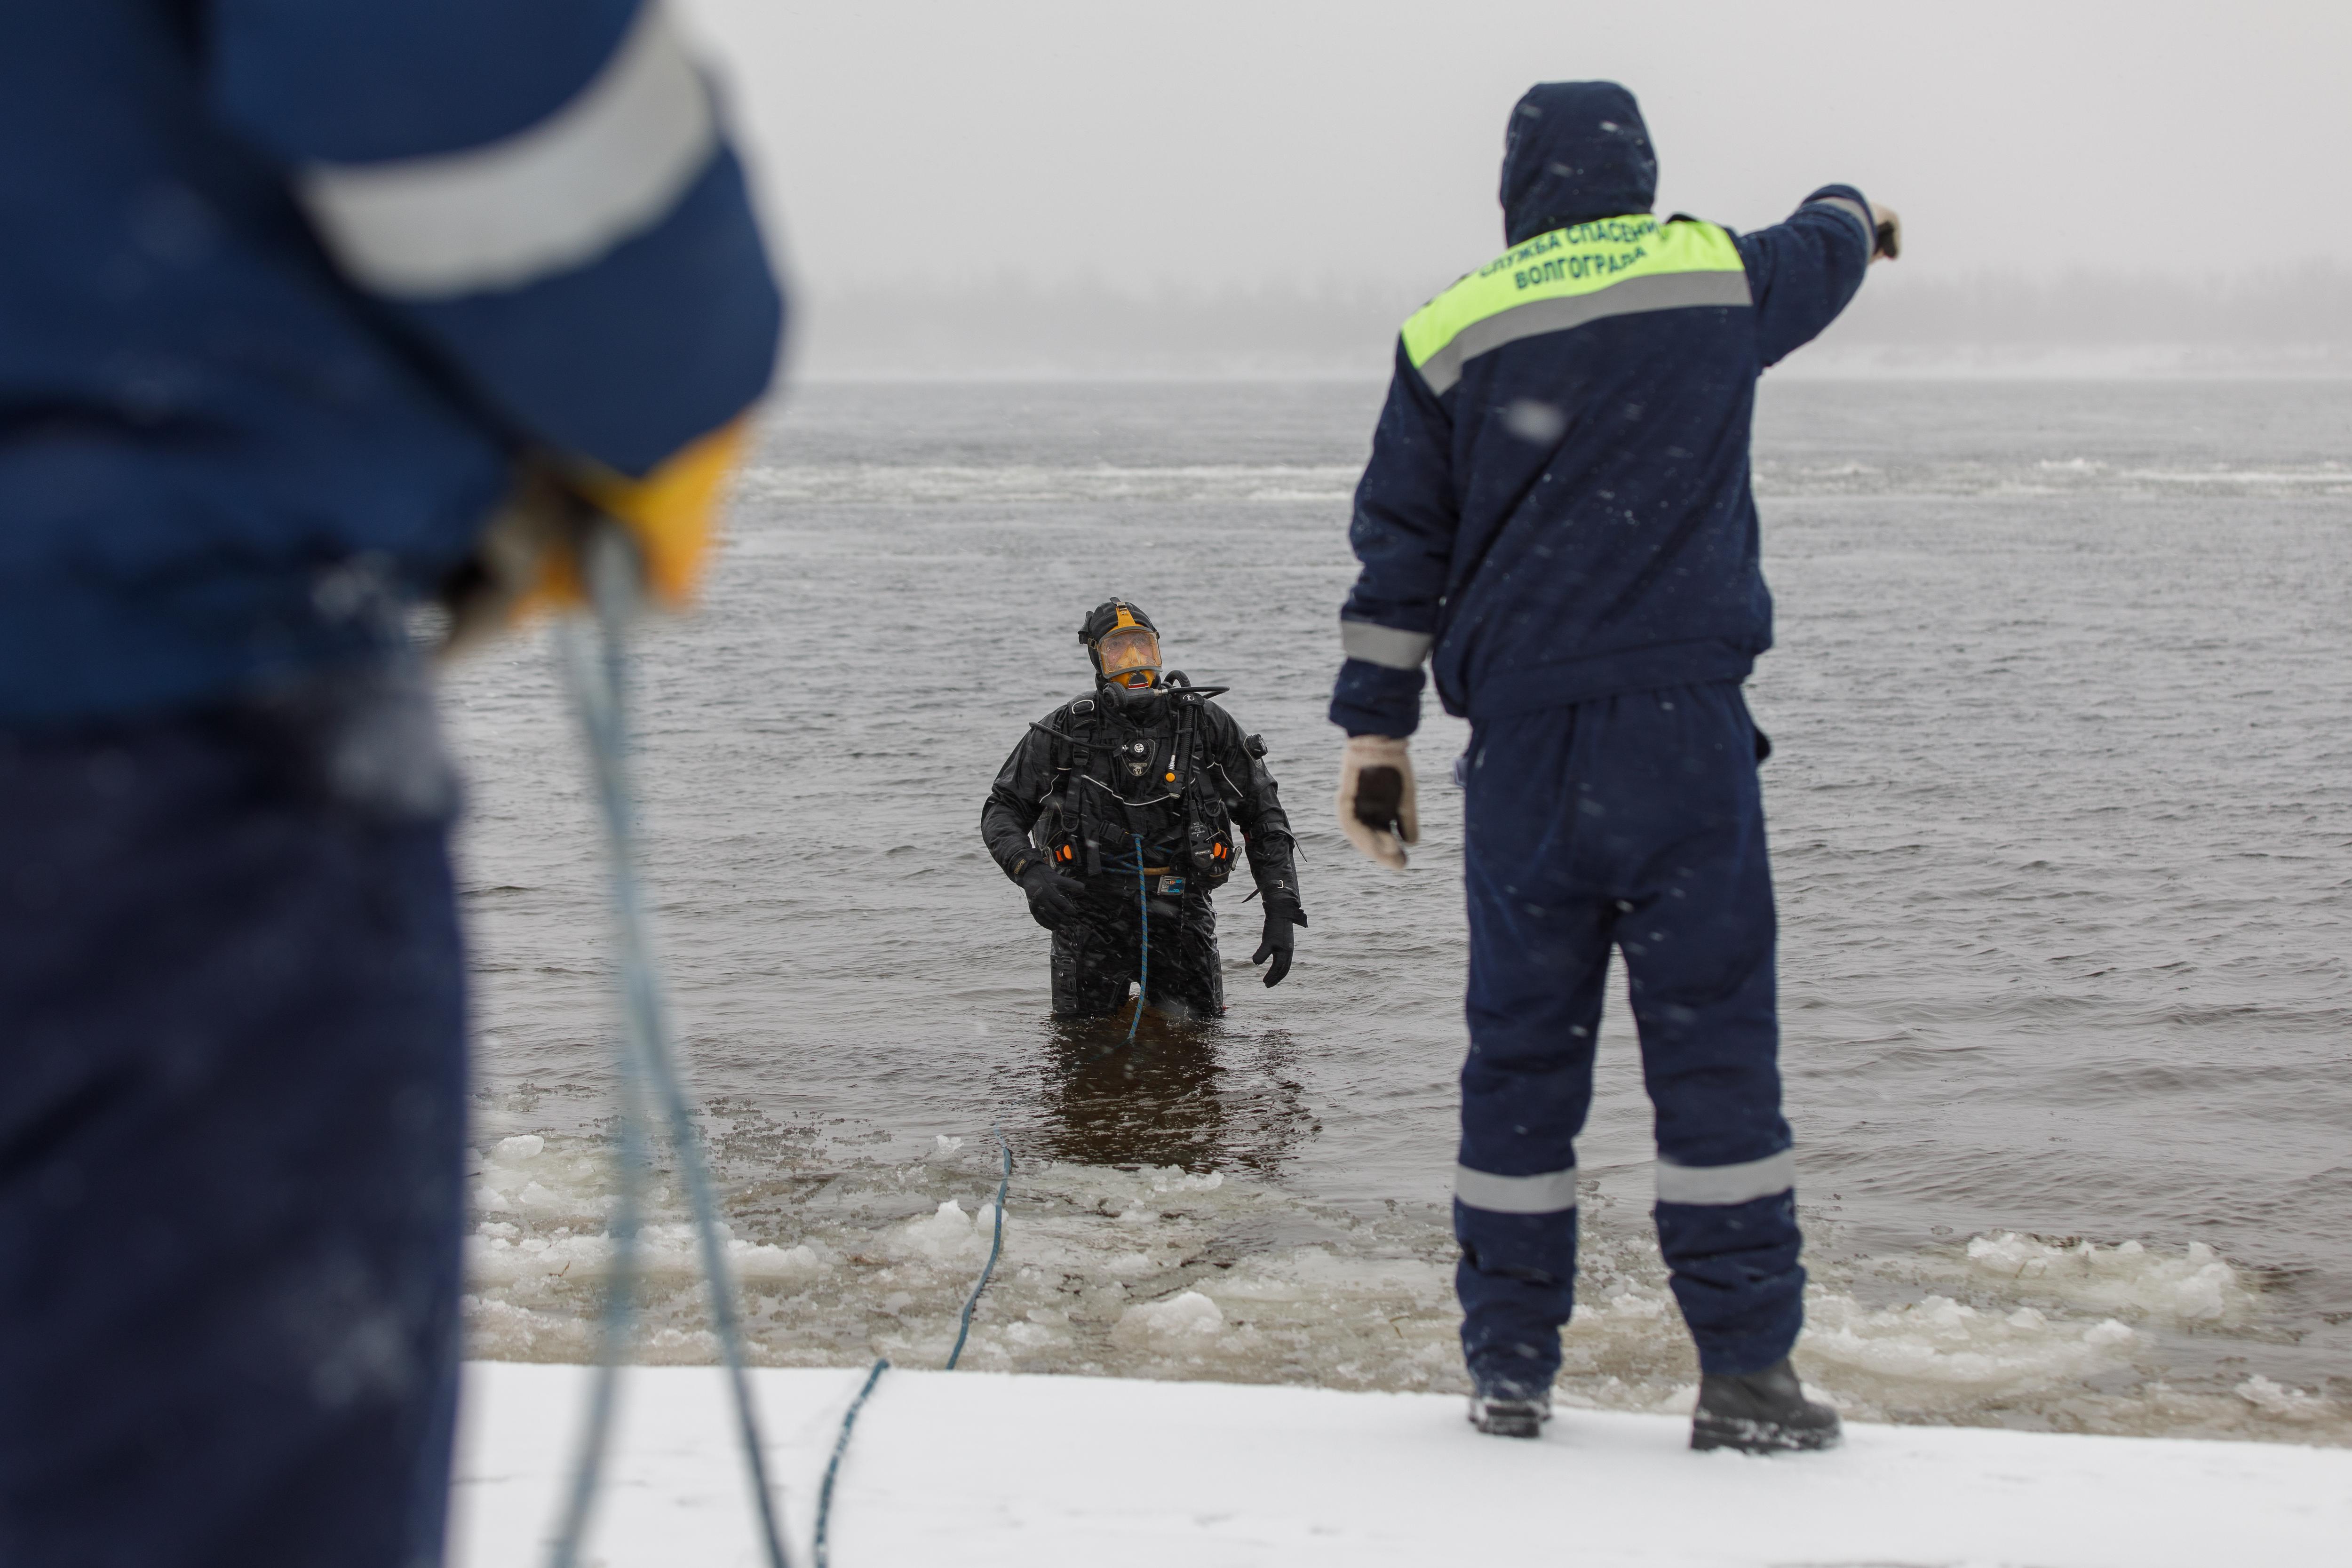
{"x":2295,"y":320}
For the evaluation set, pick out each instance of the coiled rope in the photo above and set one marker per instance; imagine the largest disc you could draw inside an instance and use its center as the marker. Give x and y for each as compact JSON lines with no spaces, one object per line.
{"x":598,"y":681}
{"x":821,"y":1550}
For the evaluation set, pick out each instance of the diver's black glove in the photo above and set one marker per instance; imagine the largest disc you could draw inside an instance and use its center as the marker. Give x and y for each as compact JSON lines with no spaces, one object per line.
{"x":1053,"y":898}
{"x":1280,"y":940}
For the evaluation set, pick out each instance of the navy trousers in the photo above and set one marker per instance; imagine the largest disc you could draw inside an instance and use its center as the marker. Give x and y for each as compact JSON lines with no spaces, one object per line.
{"x":1633,"y":822}
{"x":232,"y":1097}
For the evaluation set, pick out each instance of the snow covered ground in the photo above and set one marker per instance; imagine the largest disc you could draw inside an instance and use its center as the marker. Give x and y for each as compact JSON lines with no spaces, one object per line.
{"x":982,"y":1469}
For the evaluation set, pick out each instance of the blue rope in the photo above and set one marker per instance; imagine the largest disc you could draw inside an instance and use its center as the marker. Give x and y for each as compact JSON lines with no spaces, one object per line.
{"x":598,"y":692}
{"x":832,"y":1467}
{"x":819,"y":1549}
{"x":980,"y":1284}
{"x":1142,"y":908}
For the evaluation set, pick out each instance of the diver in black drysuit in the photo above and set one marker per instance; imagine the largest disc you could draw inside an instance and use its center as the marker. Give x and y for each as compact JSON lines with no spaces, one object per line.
{"x":1127,"y":800}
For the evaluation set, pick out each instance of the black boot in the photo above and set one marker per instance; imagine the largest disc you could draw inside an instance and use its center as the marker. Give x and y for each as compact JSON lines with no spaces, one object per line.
{"x":1762,"y":1413}
{"x":1510,"y":1415}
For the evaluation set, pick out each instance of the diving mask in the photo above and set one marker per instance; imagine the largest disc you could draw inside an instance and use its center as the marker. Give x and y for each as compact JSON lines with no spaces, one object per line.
{"x":1129,"y":657}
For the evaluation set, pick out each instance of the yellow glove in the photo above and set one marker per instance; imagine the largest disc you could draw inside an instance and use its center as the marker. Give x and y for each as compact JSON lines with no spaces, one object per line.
{"x":1376,"y":804}
{"x":528,"y":558}
{"x":672,"y":514}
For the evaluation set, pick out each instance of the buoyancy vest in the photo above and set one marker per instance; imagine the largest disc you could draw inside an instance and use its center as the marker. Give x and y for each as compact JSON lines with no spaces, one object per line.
{"x":1110,"y":791}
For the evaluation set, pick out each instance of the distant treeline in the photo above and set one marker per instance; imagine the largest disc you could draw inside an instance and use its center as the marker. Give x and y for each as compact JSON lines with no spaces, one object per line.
{"x":2295,"y":318}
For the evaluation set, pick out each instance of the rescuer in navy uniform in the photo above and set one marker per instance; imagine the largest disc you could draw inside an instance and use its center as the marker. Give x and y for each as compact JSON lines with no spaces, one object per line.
{"x":295,"y":299}
{"x":1556,"y":517}
{"x":1118,"y":811}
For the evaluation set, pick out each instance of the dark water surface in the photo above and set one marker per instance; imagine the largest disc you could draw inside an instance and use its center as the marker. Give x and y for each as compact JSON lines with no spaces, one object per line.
{"x":2061,"y":810}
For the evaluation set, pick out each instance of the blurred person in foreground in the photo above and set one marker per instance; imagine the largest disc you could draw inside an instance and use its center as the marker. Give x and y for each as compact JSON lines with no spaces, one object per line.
{"x":1556,"y":516}
{"x":292,"y":295}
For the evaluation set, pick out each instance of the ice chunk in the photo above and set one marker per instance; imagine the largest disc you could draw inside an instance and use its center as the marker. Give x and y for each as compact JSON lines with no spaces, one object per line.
{"x":1939,"y":1342}
{"x":946,"y":1235}
{"x":521,"y":1146}
{"x":943,"y":1146}
{"x":2193,"y":1287}
{"x":2274,"y":1399}
{"x":751,"y":1260}
{"x":1181,"y":1321}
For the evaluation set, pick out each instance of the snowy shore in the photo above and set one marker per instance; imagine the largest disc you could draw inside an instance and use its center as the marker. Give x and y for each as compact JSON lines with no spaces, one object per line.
{"x":983,"y":1468}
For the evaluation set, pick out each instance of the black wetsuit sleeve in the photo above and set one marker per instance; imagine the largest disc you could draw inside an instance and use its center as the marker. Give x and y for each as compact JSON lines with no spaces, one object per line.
{"x":1015,"y":801}
{"x":1265,"y":827}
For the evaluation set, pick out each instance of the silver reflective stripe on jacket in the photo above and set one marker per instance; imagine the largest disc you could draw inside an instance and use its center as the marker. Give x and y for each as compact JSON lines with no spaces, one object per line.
{"x":1550,"y":1193}
{"x":606,"y":166}
{"x":1848,"y":204}
{"x":1384,"y":646}
{"x":1718,"y":1186}
{"x":1666,"y":292}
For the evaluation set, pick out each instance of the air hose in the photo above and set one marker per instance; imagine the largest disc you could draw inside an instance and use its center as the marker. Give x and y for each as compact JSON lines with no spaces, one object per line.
{"x":821,"y":1548}
{"x":598,"y":681}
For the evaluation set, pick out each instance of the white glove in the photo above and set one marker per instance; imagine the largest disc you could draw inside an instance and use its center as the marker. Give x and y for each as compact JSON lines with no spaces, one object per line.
{"x":1376,"y":806}
{"x":1886,"y":227}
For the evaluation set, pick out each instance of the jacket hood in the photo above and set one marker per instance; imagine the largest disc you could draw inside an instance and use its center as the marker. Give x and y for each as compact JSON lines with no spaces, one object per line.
{"x":1576,"y":151}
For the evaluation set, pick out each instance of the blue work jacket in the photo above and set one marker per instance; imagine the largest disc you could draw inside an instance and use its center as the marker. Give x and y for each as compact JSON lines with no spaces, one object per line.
{"x":1557,"y":506}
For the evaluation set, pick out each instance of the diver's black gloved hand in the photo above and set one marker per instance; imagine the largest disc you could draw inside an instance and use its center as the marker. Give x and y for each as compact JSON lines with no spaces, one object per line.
{"x":1053,"y":898}
{"x":1280,"y":940}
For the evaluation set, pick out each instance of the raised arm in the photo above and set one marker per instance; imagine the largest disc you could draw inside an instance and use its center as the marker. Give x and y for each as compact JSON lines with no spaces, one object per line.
{"x":1802,"y":272}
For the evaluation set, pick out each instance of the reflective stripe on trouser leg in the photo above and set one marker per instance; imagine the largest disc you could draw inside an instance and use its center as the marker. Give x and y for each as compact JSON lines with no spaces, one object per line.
{"x":1722,"y":1186}
{"x":1729,"y":1235}
{"x":1518,"y":1259}
{"x":1547,"y":1193}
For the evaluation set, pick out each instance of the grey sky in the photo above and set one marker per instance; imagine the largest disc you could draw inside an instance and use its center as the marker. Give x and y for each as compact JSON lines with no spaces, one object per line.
{"x":1208,"y":142}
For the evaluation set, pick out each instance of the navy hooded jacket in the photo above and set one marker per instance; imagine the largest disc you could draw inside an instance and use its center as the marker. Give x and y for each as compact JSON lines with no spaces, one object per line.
{"x":1557,"y":507}
{"x":289,"y":282}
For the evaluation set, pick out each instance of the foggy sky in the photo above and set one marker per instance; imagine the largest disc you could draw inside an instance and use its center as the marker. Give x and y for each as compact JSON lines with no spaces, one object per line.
{"x":1208,"y":143}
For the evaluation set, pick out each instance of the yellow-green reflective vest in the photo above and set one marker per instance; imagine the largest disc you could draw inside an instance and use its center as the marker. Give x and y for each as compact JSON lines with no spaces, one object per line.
{"x":1611,"y":267}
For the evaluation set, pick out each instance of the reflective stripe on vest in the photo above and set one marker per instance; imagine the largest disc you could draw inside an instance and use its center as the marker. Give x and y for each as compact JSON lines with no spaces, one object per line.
{"x":1616,"y":267}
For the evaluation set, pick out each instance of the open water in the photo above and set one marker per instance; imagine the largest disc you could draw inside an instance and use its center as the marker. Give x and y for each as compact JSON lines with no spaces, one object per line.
{"x":2061,"y":810}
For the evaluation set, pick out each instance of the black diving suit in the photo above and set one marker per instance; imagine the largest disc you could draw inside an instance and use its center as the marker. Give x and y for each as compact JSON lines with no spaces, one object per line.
{"x":1136,"y":802}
